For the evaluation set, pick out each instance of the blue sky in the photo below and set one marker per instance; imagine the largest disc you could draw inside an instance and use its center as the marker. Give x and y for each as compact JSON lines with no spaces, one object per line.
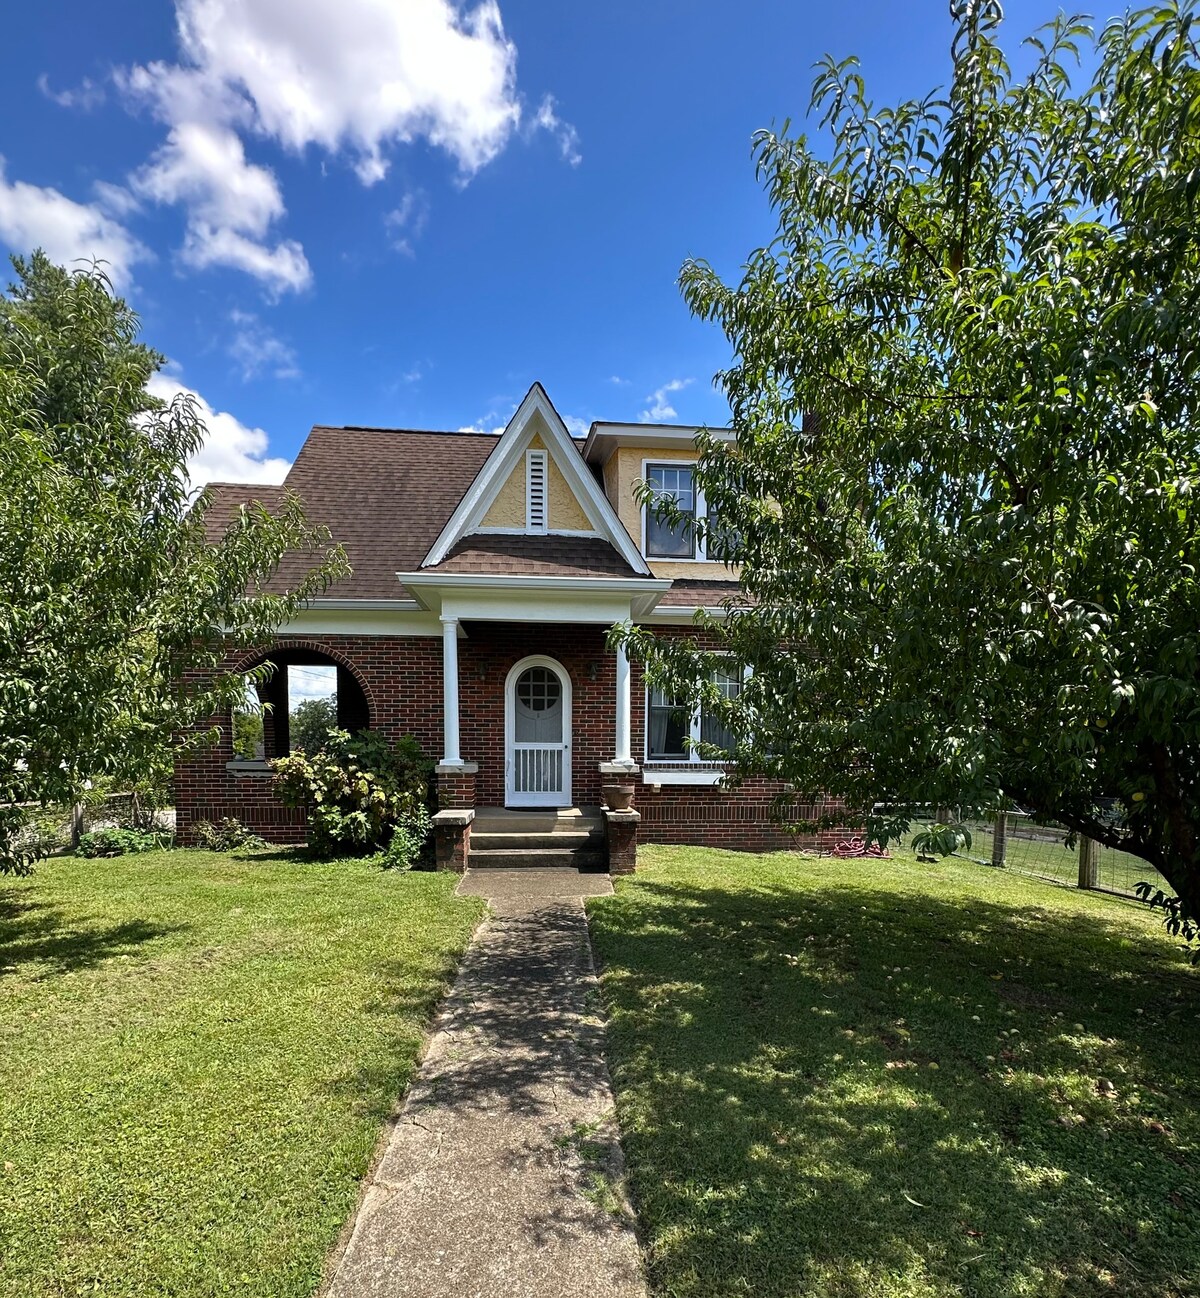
{"x":402,"y":212}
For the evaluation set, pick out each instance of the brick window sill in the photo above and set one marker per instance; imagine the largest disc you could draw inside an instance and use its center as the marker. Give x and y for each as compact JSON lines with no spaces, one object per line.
{"x":248,"y":768}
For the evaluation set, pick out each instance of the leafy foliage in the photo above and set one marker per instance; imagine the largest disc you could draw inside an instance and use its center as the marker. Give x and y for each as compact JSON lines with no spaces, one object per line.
{"x":357,"y":790}
{"x":311,"y":721}
{"x":940,"y":840}
{"x":227,"y":835}
{"x":962,"y":490}
{"x":410,"y":838}
{"x":114,"y":841}
{"x":111,"y":592}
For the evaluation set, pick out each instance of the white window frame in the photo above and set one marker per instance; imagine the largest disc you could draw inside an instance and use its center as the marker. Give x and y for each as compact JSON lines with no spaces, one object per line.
{"x":699,"y":543}
{"x":692,"y":767}
{"x":538,"y":457}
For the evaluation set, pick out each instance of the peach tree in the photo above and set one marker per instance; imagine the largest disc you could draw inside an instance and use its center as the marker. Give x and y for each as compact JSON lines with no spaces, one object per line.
{"x":962,"y":490}
{"x":116,"y":604}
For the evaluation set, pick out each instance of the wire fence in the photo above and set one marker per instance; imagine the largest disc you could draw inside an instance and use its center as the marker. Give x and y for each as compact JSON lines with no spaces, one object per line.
{"x":54,"y":829}
{"x":1017,"y":841}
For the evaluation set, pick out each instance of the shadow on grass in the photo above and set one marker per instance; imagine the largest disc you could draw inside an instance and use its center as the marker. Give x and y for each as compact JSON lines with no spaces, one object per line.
{"x":863,"y":1092}
{"x":37,"y":932}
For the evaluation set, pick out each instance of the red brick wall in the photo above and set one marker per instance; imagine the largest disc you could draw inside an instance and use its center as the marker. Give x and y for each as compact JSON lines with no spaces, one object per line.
{"x":485,"y":658}
{"x":401,"y":677}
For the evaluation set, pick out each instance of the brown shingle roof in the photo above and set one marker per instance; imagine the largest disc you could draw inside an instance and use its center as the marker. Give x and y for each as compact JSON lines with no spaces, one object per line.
{"x":691,"y":593}
{"x":385,"y":494}
{"x":543,"y":556}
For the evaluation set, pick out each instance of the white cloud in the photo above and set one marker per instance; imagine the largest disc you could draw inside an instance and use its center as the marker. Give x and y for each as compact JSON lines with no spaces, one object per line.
{"x":407,"y":222}
{"x":85,"y":96}
{"x":115,"y":200}
{"x":356,"y":79}
{"x":35,"y":217}
{"x":575,"y":426}
{"x":618,"y":380}
{"x":232,"y":452}
{"x":362,"y":74}
{"x":205,"y":167}
{"x":478,"y":428}
{"x":231,"y":203}
{"x":257,"y":350}
{"x":660,"y":408}
{"x":283,"y":267}
{"x":565,"y":135}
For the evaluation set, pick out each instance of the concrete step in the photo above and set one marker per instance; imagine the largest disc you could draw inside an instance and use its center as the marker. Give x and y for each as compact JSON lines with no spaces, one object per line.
{"x":542,"y":858}
{"x":537,"y":820}
{"x":510,"y":841}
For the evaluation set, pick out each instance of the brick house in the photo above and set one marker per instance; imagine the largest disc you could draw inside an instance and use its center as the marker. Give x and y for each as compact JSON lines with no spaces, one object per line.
{"x":486,"y":573}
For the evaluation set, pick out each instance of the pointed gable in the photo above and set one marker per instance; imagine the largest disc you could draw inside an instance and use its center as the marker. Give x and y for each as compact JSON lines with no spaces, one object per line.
{"x":536,"y":483}
{"x":515,"y":505}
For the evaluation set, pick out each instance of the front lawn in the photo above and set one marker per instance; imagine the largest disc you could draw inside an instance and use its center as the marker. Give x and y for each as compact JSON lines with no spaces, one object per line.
{"x":197,"y":1053}
{"x":880,"y":1078}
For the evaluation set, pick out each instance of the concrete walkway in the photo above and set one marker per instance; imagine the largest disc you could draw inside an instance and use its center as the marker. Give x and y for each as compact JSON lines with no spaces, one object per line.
{"x":502,"y":1176}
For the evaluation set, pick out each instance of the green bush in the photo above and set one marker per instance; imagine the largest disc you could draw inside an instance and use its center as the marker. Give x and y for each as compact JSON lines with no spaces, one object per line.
{"x":409,"y":838}
{"x":227,"y":835}
{"x":359,"y":792}
{"x":120,"y":842}
{"x":934,"y":841}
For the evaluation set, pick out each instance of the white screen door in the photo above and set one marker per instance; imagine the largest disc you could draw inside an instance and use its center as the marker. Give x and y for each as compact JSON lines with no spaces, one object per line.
{"x":539,"y":758}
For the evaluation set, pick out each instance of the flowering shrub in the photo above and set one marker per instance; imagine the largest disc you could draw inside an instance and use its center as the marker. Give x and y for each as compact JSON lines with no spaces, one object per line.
{"x":359,"y":791}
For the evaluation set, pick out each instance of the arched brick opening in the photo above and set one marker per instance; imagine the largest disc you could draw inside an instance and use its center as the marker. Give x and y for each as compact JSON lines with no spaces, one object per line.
{"x":355,"y":707}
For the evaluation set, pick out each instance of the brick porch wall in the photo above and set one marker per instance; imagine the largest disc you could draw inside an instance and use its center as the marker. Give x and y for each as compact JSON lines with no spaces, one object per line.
{"x":401,"y":677}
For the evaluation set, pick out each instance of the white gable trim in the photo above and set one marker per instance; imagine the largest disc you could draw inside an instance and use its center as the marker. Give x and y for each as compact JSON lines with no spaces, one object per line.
{"x":504,"y":459}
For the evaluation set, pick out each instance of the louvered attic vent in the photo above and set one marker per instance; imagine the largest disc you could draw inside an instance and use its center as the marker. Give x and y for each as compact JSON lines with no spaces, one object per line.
{"x":535,"y":491}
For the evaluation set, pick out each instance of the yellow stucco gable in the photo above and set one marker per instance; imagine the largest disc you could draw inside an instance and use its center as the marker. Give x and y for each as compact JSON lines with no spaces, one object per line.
{"x":564,"y":512}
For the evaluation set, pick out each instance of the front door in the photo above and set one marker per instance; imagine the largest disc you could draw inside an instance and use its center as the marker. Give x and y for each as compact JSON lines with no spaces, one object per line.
{"x":538,"y":734}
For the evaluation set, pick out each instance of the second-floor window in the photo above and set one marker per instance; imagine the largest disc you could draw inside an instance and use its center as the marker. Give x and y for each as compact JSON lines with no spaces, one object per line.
{"x":667,"y":539}
{"x":677,"y":539}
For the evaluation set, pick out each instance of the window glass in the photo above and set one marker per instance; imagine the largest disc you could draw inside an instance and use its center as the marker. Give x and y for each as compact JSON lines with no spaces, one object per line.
{"x":664,"y":539}
{"x":721,"y":538}
{"x":711,"y":729}
{"x":669,"y":727}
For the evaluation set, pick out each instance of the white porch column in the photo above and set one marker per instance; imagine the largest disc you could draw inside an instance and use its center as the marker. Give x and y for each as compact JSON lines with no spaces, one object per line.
{"x":622,"y":755}
{"x":450,"y":753}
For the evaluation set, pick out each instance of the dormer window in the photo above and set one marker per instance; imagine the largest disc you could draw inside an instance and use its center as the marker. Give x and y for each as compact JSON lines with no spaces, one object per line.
{"x":535,"y":491}
{"x":666,"y":539}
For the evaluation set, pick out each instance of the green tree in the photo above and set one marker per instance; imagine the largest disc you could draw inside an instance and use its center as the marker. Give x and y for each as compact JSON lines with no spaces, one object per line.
{"x":115,"y":605}
{"x":310,"y":723}
{"x":963,"y":484}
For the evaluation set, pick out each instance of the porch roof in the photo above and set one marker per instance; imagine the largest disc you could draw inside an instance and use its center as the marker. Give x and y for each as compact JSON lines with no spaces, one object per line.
{"x":545,"y":555}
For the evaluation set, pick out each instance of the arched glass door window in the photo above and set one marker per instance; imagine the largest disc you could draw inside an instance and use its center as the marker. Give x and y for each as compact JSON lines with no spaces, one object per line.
{"x":538,"y":716}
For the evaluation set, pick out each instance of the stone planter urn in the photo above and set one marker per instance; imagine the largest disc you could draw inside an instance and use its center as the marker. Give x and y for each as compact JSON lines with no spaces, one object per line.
{"x":618,"y":796}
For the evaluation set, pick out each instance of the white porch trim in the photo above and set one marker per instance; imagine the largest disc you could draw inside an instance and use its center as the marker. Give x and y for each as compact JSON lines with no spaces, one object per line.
{"x":513,"y":442}
{"x":450,"y":754}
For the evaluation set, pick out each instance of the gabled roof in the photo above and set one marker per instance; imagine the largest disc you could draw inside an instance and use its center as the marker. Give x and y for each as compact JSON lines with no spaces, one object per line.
{"x":384,"y":494}
{"x":536,"y":413}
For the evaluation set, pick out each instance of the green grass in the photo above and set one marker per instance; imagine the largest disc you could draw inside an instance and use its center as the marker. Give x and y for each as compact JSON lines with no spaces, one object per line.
{"x":197,"y":1053}
{"x":886,"y":1079}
